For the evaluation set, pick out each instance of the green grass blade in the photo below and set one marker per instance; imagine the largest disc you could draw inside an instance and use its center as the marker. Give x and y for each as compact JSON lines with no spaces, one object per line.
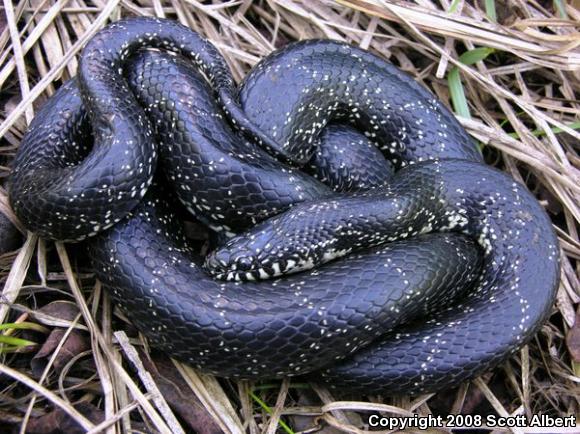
{"x":15,"y":342}
{"x":269,"y":411}
{"x":472,"y":56}
{"x":457,"y":94}
{"x":453,"y":6}
{"x":561,"y":8}
{"x":490,"y":10}
{"x":456,"y":91}
{"x":23,"y":326}
{"x":5,"y":349}
{"x":9,"y":343}
{"x":555,"y":130}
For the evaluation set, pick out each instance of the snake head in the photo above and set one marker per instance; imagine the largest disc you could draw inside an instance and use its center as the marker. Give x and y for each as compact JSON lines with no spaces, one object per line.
{"x":226,"y":265}
{"x":244,"y":265}
{"x":258,"y":254}
{"x":241,"y":258}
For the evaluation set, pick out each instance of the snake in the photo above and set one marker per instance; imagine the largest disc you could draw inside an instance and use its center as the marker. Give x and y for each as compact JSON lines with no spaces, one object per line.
{"x":356,"y":236}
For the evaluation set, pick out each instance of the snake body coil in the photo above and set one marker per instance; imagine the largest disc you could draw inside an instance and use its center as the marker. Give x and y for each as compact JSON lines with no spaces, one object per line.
{"x":445,"y":236}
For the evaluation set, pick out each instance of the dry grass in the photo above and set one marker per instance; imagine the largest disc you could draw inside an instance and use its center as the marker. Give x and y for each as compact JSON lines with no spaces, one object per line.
{"x":523,"y":108}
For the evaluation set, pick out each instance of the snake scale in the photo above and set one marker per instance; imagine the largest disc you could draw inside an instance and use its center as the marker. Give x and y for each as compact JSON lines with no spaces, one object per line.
{"x":324,"y":151}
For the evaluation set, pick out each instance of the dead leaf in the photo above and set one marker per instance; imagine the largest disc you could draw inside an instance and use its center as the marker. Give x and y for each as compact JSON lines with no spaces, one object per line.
{"x":179,"y":396}
{"x":61,"y":309}
{"x":59,"y":422}
{"x":76,"y":343}
{"x":573,"y":339}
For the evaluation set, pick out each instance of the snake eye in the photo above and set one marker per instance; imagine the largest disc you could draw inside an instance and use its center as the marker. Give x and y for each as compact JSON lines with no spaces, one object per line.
{"x":222,"y":262}
{"x":243,"y":263}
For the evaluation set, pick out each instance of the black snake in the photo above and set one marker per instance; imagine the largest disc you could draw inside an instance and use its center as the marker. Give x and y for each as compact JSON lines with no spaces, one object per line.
{"x":325,"y":150}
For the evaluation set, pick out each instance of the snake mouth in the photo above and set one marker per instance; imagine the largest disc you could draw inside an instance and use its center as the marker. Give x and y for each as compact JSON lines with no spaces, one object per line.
{"x":224,"y":265}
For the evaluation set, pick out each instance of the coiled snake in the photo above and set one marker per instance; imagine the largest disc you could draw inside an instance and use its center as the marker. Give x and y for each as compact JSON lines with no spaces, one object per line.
{"x":325,"y":151}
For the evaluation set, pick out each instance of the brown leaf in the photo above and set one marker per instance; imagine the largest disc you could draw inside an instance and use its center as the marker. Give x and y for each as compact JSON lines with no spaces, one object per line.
{"x":573,"y":339}
{"x":179,"y":395}
{"x":75,"y":343}
{"x":58,"y":421}
{"x":60,"y":309}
